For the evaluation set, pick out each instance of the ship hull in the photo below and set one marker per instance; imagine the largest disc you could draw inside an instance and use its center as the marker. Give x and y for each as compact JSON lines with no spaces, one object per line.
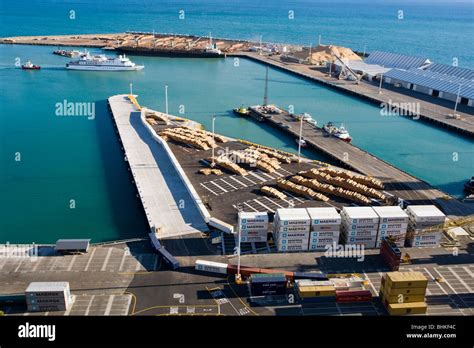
{"x":103,"y":68}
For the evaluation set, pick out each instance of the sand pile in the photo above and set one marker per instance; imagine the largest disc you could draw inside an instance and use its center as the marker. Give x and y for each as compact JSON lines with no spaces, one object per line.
{"x":322,"y":54}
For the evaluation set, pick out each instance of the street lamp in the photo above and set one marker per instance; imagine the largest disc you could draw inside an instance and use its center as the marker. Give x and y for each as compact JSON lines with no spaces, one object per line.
{"x":166,"y":99}
{"x":299,"y":142}
{"x":213,"y":140}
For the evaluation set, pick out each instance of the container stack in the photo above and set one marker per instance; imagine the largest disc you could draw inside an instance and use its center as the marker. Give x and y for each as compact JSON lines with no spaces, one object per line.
{"x":315,"y":291}
{"x":324,"y":229}
{"x":393,"y":221}
{"x":291,"y":229}
{"x":425,"y":225}
{"x":359,"y":226}
{"x":404,"y":292}
{"x":268,"y":284}
{"x":253,"y":226}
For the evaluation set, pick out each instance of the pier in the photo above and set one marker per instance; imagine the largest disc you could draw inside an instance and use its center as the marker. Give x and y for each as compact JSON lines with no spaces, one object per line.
{"x":406,"y":186}
{"x":165,"y":198}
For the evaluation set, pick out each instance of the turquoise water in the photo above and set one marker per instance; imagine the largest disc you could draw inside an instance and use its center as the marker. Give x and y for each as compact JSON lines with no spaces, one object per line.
{"x":438,"y":29}
{"x":64,"y":158}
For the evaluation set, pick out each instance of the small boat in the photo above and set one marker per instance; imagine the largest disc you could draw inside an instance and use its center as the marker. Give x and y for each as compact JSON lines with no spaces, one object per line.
{"x":30,"y":66}
{"x":338,"y":132}
{"x":301,"y":142}
{"x":469,"y":185}
{"x":241,"y":111}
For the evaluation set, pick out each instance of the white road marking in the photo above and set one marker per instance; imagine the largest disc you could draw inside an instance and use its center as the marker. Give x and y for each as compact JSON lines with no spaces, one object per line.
{"x":228,"y":183}
{"x":90,"y":260}
{"x":127,"y":306}
{"x":468,"y":271}
{"x":370,"y":283}
{"x":241,"y":183}
{"x":265,"y":174}
{"x":461,"y":280}
{"x":109,"y":305}
{"x":257,"y":176}
{"x":107,"y":257}
{"x":263,"y":205}
{"x":250,"y":206}
{"x":38,"y":260}
{"x":123,"y":260}
{"x":56,"y":259}
{"x":71,"y":263}
{"x":218,"y":186}
{"x":89,"y":305}
{"x":19,"y":265}
{"x":207,"y":188}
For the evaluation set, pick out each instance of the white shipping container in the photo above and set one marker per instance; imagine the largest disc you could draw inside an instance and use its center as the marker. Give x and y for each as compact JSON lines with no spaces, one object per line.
{"x":323,"y":240}
{"x":209,"y":266}
{"x":364,"y":233}
{"x":292,"y":241}
{"x":350,"y":226}
{"x":253,"y":216}
{"x":254,"y":227}
{"x":325,"y":227}
{"x":319,"y":247}
{"x":420,"y":244}
{"x":253,"y":239}
{"x":359,"y":215}
{"x":285,"y":248}
{"x":392,"y":226}
{"x":425,"y":213}
{"x":324,"y":216}
{"x":391,"y":214}
{"x":292,"y":235}
{"x":370,"y":239}
{"x":301,"y":228}
{"x":318,"y":234}
{"x":253,"y":233}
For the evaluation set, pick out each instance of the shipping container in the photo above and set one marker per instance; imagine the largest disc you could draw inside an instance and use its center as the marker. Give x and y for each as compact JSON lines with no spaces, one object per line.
{"x":362,"y":233}
{"x":356,"y":227}
{"x":286,"y":248}
{"x":310,"y":275}
{"x":407,"y":308}
{"x":300,"y":228}
{"x":403,"y":291}
{"x":353,"y":296}
{"x":359,"y":215}
{"x":400,"y":298}
{"x":253,"y":239}
{"x":393,"y":280}
{"x":425,"y":213}
{"x":254,"y":227}
{"x":210,"y":266}
{"x":324,"y":216}
{"x":330,"y":228}
{"x":391,"y":214}
{"x":316,"y":291}
{"x":252,"y":217}
{"x":324,"y":234}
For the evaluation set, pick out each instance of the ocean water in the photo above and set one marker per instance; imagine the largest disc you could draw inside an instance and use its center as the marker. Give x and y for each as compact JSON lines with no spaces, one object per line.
{"x":438,"y":29}
{"x":64,"y":177}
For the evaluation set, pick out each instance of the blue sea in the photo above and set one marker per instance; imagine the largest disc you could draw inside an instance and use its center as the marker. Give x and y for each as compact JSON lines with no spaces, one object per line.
{"x":65,"y":177}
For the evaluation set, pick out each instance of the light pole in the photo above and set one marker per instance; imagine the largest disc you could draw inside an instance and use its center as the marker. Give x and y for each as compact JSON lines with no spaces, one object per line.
{"x":381,"y":80}
{"x":131,"y":88}
{"x":457,"y":100}
{"x":238,"y":277}
{"x":213,"y":140}
{"x":166,"y":99}
{"x":299,"y":142}
{"x":310,"y":58}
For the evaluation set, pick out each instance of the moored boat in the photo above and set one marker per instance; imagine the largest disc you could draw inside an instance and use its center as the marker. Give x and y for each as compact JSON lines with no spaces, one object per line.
{"x":338,"y":132}
{"x":241,"y":111}
{"x":30,"y":66}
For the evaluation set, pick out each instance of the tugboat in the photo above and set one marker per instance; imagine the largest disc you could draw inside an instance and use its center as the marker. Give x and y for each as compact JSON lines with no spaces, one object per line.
{"x":340,"y":132}
{"x":30,"y":66}
{"x":469,"y":186}
{"x":241,"y":111}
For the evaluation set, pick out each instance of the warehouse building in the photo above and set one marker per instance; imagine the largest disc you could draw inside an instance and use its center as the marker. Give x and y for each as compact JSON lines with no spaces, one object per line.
{"x":396,"y":61}
{"x":438,"y":80}
{"x":48,"y":296}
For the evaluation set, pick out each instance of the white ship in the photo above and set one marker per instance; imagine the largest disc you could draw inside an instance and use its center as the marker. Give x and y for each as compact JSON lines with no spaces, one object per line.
{"x":103,"y":63}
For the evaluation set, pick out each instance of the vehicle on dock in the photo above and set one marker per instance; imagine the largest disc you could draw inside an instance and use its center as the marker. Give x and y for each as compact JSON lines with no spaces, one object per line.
{"x":211,"y":48}
{"x":241,"y":111}
{"x":30,"y":66}
{"x":103,"y":63}
{"x":338,"y":132}
{"x":306,"y":118}
{"x":301,"y":142}
{"x":469,"y":186}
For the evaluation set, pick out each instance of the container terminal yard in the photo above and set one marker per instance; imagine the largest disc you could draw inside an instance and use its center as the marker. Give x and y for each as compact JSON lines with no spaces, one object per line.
{"x":190,"y":267}
{"x":436,"y":107}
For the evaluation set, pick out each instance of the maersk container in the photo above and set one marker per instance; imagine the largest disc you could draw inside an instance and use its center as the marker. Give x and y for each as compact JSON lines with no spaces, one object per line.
{"x":291,"y":228}
{"x":325,"y":234}
{"x":322,"y":228}
{"x":210,"y":266}
{"x":251,"y":217}
{"x":359,"y":215}
{"x":323,"y":216}
{"x":253,"y":239}
{"x":363,"y":233}
{"x":285,"y":248}
{"x":254,"y":227}
{"x":293,"y":235}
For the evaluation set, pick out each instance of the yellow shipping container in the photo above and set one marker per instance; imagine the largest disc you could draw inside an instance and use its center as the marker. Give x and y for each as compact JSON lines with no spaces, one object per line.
{"x":394,"y":280}
{"x":316,"y":291}
{"x":407,"y":308}
{"x":400,"y":298}
{"x":405,"y":291}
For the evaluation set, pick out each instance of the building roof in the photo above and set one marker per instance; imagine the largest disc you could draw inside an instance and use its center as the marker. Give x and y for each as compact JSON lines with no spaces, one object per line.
{"x":435,"y":80}
{"x":395,"y":60}
{"x":456,"y":71}
{"x":47,"y":286}
{"x":72,"y":244}
{"x":369,"y":69}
